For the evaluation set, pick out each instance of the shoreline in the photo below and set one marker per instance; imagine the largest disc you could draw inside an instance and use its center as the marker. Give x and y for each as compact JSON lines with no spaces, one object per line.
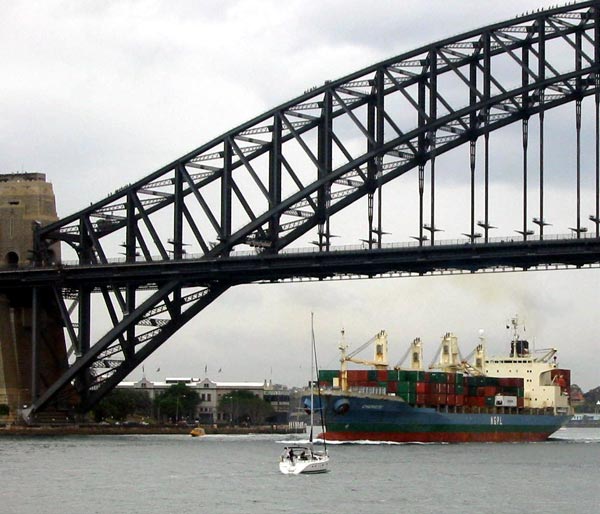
{"x":82,"y":429}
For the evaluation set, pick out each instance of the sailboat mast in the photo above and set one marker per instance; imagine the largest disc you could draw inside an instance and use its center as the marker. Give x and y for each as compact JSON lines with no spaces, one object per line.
{"x":316,"y":369}
{"x":312,"y":367}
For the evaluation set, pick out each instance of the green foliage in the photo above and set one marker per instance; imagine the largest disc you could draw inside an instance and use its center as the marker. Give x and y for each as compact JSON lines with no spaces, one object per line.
{"x":592,"y":397}
{"x":243,"y":407}
{"x":4,"y":409}
{"x":178,"y":402}
{"x":119,"y":404}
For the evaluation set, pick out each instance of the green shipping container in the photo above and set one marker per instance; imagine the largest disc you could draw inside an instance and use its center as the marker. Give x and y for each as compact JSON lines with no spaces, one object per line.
{"x":327,"y":375}
{"x":438,"y":377}
{"x":415,"y":376}
{"x":471,"y":381}
{"x":408,"y":397}
{"x":372,"y":375}
{"x":392,"y":375}
{"x":476,"y":381}
{"x":406,"y":387}
{"x":491,"y":381}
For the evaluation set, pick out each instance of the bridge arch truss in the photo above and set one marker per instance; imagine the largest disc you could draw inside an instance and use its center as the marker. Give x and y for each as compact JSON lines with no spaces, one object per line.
{"x":282,"y":178}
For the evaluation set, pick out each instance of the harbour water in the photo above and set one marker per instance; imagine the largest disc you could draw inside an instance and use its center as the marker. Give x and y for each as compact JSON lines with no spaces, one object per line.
{"x":239,"y":474}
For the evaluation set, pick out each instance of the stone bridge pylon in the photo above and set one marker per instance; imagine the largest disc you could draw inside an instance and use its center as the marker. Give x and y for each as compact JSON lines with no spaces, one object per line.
{"x":26,"y":199}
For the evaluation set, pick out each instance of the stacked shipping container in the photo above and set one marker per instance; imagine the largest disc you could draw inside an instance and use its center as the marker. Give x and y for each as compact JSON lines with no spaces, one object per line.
{"x":433,"y":388}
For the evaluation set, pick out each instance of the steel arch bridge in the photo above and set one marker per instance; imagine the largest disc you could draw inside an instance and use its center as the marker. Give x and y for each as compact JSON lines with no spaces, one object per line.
{"x":238,"y":208}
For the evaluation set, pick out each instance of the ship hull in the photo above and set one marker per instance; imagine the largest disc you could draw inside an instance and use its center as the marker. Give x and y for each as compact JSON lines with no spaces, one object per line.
{"x":384,"y":418}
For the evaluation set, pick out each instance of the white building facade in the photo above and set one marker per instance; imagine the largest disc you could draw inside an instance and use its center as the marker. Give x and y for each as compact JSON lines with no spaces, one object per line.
{"x":211,"y":392}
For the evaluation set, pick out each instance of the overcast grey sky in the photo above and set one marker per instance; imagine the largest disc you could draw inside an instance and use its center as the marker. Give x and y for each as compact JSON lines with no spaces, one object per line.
{"x":99,"y":94}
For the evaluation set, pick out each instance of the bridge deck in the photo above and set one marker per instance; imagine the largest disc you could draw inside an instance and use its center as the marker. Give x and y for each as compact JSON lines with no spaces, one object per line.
{"x":307,"y":263}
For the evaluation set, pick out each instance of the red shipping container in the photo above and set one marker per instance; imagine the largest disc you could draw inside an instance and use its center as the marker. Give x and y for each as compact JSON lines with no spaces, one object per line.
{"x":421,"y":399}
{"x":520,"y":402}
{"x":427,"y":376}
{"x":423,"y":387}
{"x":473,"y":401}
{"x":391,"y":387}
{"x":490,"y":390}
{"x":460,"y":400}
{"x":361,"y":383}
{"x":358,"y":375}
{"x":451,"y":399}
{"x":362,"y":374}
{"x":382,"y":375}
{"x":451,"y":378}
{"x":437,"y":399}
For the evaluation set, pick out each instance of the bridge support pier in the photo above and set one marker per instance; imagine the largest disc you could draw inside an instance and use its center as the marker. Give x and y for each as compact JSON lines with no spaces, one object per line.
{"x":26,"y":198}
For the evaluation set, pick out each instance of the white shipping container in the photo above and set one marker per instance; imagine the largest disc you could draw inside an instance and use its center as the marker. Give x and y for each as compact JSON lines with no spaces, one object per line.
{"x":506,"y":401}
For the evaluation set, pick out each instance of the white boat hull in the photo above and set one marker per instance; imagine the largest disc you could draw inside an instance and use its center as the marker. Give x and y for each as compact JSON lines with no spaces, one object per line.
{"x":312,"y":462}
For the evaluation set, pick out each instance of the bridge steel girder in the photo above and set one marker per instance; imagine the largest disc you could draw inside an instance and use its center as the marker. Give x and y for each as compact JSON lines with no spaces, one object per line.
{"x":360,"y":262}
{"x":269,"y":182}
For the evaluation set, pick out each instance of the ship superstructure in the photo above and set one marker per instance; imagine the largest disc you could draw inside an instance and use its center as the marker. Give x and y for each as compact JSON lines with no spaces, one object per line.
{"x":545,"y":384}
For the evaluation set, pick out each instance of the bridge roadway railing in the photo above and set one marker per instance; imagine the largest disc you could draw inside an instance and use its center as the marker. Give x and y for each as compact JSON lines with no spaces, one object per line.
{"x":498,"y":254}
{"x":362,"y":247}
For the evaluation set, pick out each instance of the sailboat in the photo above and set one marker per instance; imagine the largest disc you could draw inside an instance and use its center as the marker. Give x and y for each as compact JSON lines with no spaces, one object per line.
{"x":296,"y":460}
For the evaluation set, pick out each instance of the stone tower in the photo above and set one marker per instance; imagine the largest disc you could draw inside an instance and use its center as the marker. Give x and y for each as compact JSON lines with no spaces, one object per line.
{"x":25,"y":199}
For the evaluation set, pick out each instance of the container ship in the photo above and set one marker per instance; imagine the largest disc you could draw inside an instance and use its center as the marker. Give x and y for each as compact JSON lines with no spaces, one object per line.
{"x":520,"y":397}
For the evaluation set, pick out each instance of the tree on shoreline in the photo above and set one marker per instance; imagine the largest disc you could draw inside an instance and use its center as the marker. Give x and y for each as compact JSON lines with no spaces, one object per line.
{"x":177,"y":403}
{"x":245,"y":408}
{"x":120,"y":404}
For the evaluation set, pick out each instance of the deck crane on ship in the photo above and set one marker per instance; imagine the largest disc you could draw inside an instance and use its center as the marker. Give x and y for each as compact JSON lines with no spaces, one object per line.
{"x":415,"y":350}
{"x":380,"y":357}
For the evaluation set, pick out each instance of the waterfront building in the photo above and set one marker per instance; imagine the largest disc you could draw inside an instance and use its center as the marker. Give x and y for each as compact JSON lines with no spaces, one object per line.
{"x":211,"y":392}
